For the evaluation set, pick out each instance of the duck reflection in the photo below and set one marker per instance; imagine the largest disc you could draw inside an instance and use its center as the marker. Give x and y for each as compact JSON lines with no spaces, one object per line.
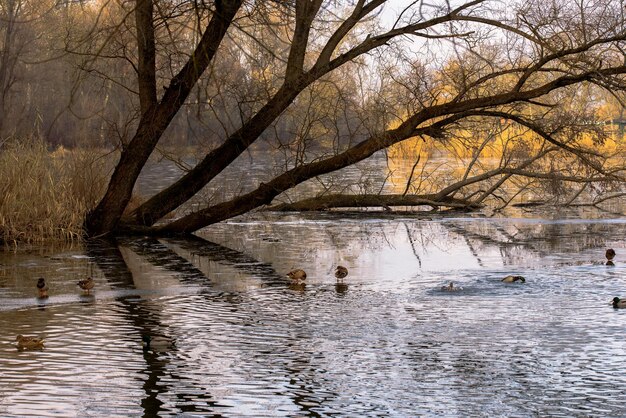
{"x":341,"y":287}
{"x":42,"y":293}
{"x":340,"y":273}
{"x":297,"y":286}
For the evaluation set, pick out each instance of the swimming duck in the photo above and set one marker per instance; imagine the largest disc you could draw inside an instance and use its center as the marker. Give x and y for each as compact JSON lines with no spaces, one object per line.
{"x":86,"y":284}
{"x":619,"y":303}
{"x":42,"y":288}
{"x":513,"y":279}
{"x":297,"y":275}
{"x":450,"y":288}
{"x":157,"y":343}
{"x":28,"y":343}
{"x":341,"y":273}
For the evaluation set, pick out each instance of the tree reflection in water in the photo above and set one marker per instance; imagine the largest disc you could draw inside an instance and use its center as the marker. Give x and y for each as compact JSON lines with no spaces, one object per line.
{"x":241,"y":340}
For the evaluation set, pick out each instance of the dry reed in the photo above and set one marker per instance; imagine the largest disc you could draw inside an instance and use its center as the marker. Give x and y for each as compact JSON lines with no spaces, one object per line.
{"x":44,"y":196}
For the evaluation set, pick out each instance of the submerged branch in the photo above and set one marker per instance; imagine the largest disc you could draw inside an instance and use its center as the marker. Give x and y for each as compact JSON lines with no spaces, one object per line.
{"x":372,"y":200}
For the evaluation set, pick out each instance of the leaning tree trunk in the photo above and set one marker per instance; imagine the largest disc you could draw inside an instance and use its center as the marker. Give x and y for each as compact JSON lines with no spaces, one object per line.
{"x":296,"y":79}
{"x":155,"y":118}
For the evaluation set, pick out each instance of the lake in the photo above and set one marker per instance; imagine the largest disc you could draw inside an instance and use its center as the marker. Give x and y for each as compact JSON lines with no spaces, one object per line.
{"x":232,"y":337}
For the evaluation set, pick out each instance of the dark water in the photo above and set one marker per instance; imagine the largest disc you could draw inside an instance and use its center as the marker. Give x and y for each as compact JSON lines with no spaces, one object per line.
{"x":232,"y":338}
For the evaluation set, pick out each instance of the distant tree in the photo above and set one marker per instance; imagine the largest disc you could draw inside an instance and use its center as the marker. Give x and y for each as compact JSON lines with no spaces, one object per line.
{"x":20,"y":36}
{"x":38,"y":92}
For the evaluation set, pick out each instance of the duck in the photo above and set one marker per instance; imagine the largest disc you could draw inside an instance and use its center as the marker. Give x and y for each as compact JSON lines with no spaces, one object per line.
{"x":341,"y":273}
{"x":157,"y":343}
{"x":29,"y":343}
{"x":450,"y":288}
{"x":42,"y":288}
{"x":618,"y":303}
{"x":86,"y":284}
{"x":297,"y":275}
{"x":610,"y":254}
{"x":513,"y":279}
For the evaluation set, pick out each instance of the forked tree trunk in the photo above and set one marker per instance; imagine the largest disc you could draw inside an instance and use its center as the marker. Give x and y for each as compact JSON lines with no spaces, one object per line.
{"x":155,"y":118}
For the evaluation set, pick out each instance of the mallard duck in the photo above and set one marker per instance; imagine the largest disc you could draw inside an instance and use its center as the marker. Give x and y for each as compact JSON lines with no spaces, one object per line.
{"x":42,"y":288}
{"x":341,"y":273}
{"x":157,"y":343}
{"x":86,"y":284}
{"x":28,"y":343}
{"x":450,"y":288}
{"x":610,"y":254}
{"x":513,"y":279}
{"x":619,"y":303}
{"x":297,"y":275}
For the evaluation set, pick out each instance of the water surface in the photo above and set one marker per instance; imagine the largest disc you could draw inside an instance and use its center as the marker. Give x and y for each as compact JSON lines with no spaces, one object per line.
{"x":233,"y":338}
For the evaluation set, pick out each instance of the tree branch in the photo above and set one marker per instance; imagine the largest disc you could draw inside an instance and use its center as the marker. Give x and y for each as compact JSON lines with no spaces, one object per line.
{"x":146,"y":57}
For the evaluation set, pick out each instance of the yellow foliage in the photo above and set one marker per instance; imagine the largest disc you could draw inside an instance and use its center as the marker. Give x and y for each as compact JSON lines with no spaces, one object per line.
{"x":487,"y":148}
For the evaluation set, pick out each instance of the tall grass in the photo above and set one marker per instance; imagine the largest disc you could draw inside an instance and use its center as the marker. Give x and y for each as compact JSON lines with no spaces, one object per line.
{"x":44,"y":196}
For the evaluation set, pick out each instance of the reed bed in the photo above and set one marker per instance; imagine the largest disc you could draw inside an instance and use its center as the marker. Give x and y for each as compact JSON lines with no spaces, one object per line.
{"x":44,"y":196}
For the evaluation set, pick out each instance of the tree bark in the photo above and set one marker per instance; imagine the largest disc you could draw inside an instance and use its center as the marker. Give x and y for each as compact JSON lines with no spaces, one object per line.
{"x":371,"y":200}
{"x":105,"y":217}
{"x":146,"y":55}
{"x":213,"y":163}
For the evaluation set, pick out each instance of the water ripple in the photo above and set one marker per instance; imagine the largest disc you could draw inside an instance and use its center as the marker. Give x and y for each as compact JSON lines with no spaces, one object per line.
{"x":231,"y":337}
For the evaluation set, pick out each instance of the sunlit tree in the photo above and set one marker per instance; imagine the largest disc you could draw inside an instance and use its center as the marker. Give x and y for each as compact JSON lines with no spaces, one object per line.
{"x":448,"y":65}
{"x":513,"y":91}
